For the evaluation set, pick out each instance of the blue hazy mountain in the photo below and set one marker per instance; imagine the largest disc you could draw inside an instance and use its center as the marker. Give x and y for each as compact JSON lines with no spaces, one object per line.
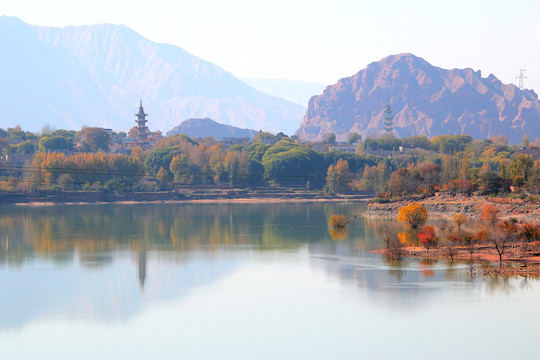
{"x":95,"y":75}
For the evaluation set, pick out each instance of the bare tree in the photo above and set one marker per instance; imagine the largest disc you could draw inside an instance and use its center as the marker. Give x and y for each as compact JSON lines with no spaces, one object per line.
{"x":394,"y":248}
{"x":500,"y":238}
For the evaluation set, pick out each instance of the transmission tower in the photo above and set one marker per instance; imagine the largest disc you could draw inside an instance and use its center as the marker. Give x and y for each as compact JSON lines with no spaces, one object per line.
{"x":521,"y":77}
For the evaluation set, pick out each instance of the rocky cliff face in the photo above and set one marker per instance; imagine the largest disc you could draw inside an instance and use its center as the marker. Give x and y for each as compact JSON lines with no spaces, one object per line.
{"x":426,"y":100}
{"x":200,"y":128}
{"x":95,"y":75}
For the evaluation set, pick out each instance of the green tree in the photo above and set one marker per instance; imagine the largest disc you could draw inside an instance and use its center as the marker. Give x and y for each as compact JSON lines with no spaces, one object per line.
{"x":521,"y":165}
{"x":55,"y":143}
{"x":330,"y":139}
{"x":182,"y":170}
{"x":26,"y":147}
{"x":354,"y":137}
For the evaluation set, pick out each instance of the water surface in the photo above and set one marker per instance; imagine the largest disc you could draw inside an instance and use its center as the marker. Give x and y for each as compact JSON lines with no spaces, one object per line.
{"x":241,"y":281}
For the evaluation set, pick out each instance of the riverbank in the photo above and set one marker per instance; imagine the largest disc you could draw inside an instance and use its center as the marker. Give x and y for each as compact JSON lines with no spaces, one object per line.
{"x":194,"y":195}
{"x":517,"y":260}
{"x":443,"y":205}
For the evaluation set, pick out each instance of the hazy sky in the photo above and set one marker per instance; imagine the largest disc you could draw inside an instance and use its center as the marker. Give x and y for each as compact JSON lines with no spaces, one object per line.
{"x":320,"y":40}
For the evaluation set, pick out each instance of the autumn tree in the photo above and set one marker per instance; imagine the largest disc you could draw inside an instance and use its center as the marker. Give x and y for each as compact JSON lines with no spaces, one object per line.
{"x":530,"y":232}
{"x":163,"y":178}
{"x":413,"y":215}
{"x":339,"y":177}
{"x":182,"y":170}
{"x":428,"y":237}
{"x":94,"y":139}
{"x":459,"y":219}
{"x":489,"y":214}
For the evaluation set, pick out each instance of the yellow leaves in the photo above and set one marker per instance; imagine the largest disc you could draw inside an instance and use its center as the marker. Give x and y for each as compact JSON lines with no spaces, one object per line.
{"x":489,"y":214}
{"x":338,"y":221}
{"x":459,"y":219}
{"x":413,"y":215}
{"x":338,"y":229}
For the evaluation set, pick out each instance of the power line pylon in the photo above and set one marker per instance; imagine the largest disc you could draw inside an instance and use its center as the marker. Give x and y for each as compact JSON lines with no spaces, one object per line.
{"x":521,"y":77}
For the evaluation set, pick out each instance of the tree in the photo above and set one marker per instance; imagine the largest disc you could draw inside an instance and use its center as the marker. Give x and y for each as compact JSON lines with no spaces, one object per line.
{"x":181,"y":169}
{"x":525,"y":141}
{"x":163,"y":178}
{"x":330,"y":139}
{"x":428,"y":237}
{"x":401,"y":182}
{"x":413,"y":215}
{"x":530,"y":232}
{"x":354,"y":137}
{"x":489,"y":214}
{"x":55,"y":143}
{"x":94,"y":139}
{"x":26,"y":147}
{"x":489,"y":182}
{"x":521,"y":165}
{"x":500,"y":238}
{"x":262,"y":137}
{"x":459,"y":219}
{"x":339,"y":177}
{"x":338,"y":221}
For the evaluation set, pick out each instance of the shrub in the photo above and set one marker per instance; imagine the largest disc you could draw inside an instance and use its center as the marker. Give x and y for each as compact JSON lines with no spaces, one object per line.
{"x":338,"y":221}
{"x":428,"y":237}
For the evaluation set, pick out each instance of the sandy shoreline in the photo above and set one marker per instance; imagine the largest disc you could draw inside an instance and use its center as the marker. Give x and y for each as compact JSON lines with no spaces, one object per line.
{"x":251,"y":200}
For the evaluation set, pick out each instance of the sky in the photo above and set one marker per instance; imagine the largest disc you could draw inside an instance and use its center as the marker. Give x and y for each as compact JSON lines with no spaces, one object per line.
{"x":320,"y":40}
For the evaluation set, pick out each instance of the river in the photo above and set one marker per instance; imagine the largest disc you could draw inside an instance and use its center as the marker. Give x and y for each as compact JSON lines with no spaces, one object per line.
{"x":242,"y":281}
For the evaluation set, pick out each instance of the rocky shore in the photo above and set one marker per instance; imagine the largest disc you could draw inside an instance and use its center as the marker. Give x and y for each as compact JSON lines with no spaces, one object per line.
{"x":445,"y":205}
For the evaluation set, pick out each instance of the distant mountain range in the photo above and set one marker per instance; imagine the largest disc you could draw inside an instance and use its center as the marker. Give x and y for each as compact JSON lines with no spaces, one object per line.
{"x":95,"y":75}
{"x":199,"y":128}
{"x":296,"y":91}
{"x":425,"y":100}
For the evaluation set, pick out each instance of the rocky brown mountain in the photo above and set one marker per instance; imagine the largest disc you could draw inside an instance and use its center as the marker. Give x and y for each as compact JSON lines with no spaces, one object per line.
{"x":200,"y":128}
{"x":426,"y":100}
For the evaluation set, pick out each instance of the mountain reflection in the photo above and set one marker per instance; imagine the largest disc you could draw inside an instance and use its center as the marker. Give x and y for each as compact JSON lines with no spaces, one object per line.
{"x":109,"y":262}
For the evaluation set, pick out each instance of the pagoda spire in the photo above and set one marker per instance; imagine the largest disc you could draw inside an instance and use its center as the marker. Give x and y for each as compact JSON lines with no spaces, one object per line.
{"x":142,"y":129}
{"x":388,"y":117}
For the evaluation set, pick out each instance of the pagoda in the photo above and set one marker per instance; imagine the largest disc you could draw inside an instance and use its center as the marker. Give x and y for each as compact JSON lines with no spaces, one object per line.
{"x":142,"y":129}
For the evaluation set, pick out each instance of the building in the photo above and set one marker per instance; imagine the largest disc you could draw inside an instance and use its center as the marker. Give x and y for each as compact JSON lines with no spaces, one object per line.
{"x":143,"y":136}
{"x":142,"y":129}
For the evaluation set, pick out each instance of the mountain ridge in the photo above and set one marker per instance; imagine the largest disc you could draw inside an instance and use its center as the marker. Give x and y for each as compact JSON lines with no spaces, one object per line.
{"x":96,"y":74}
{"x":425,"y":99}
{"x":200,"y":128}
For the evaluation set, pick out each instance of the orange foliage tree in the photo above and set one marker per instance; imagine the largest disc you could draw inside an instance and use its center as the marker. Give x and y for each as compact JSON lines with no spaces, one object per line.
{"x":339,"y":177}
{"x":459,"y":219}
{"x":413,"y":215}
{"x":489,"y":214}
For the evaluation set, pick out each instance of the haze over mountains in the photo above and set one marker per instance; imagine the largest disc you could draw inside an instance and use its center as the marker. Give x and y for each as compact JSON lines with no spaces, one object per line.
{"x":200,"y":128}
{"x":95,"y":75}
{"x":296,"y":91}
{"x":425,"y":100}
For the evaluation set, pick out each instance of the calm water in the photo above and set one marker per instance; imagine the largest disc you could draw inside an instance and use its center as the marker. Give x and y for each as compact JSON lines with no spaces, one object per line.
{"x":241,"y":282}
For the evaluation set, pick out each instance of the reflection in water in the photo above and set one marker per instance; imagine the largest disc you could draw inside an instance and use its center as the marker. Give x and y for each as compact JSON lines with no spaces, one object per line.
{"x":109,"y":262}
